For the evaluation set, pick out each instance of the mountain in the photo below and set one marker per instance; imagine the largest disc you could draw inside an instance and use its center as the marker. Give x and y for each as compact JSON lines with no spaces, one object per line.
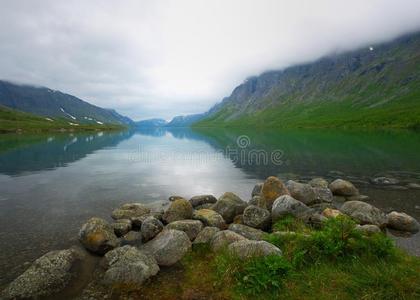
{"x":45,"y":102}
{"x":151,"y":123}
{"x":185,"y":121}
{"x":376,"y":86}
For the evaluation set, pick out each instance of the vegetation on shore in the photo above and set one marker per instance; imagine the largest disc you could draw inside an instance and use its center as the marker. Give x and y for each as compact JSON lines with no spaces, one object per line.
{"x":335,"y":262}
{"x":17,"y":121}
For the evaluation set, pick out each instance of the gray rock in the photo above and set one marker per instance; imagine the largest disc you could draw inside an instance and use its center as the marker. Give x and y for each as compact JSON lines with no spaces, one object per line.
{"x":168,"y":247}
{"x":358,"y":198}
{"x":127,"y":266}
{"x":133,"y":238}
{"x":318,"y":182}
{"x":48,"y":275}
{"x":202,"y":199}
{"x":246,"y":249}
{"x":98,"y":236}
{"x":272,"y":189}
{"x":206,"y":235}
{"x":414,"y":186}
{"x":247,"y":232}
{"x":368,"y":229}
{"x":209,"y":218}
{"x":257,"y":217}
{"x":302,"y":192}
{"x":342,"y":187}
{"x":130,"y":210}
{"x":191,"y":227}
{"x":121,"y":227}
{"x":258,"y":201}
{"x":403,"y":222}
{"x":229,"y":205}
{"x":138,"y":221}
{"x":364,"y":213}
{"x":179,"y":209}
{"x":323,"y":195}
{"x":150,"y":228}
{"x":384,"y":181}
{"x":286,"y":205}
{"x":224,"y":238}
{"x":257,"y":190}
{"x":204,"y":206}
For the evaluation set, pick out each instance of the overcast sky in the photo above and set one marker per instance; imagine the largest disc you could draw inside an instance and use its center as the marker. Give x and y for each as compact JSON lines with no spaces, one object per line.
{"x":165,"y":58}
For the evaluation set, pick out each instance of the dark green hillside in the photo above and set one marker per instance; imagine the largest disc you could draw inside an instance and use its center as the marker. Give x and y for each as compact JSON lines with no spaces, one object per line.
{"x":16,"y":121}
{"x":363,"y":88}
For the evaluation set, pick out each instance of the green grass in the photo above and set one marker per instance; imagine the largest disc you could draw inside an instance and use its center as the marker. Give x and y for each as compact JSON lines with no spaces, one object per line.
{"x":335,"y":262}
{"x":17,"y":121}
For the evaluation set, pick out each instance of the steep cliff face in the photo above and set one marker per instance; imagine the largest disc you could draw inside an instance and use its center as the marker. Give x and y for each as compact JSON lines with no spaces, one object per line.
{"x":373,"y":86}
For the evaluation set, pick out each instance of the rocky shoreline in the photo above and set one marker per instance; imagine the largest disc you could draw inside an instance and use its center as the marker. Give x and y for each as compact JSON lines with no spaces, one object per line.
{"x":143,"y":240}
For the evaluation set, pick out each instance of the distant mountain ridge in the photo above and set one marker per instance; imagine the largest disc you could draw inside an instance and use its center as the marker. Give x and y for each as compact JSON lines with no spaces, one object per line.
{"x":151,"y":123}
{"x":185,"y":121}
{"x":377,"y":86}
{"x":46,"y":102}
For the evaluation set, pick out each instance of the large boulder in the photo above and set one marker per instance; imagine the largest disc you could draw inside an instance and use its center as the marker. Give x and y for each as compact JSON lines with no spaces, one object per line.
{"x":302,"y":192}
{"x":191,"y":227}
{"x":229,"y":205}
{"x":179,"y":209}
{"x":342,"y":187}
{"x":202,"y":199}
{"x":247,"y":232}
{"x":272,"y":189}
{"x":206,"y":235}
{"x":128,"y":266}
{"x":257,"y":217}
{"x":130,"y":210}
{"x":364,"y":213}
{"x":402,"y":221}
{"x":323,"y":195}
{"x":209,"y":218}
{"x":150,"y":228}
{"x":245,"y":249}
{"x":287,"y":205}
{"x":168,"y":247}
{"x":48,"y":275}
{"x":98,"y":236}
{"x":318,"y":182}
{"x":257,"y":190}
{"x":223,"y":238}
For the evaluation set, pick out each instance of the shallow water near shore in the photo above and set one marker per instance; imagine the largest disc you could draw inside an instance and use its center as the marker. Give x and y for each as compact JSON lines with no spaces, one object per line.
{"x":51,"y":183}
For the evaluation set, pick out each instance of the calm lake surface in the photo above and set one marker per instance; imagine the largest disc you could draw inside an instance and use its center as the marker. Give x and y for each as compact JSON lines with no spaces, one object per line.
{"x":51,"y":183}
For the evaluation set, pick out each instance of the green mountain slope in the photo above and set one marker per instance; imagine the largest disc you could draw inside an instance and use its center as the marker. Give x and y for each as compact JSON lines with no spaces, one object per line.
{"x":43,"y":101}
{"x":362,"y":88}
{"x":15,"y":121}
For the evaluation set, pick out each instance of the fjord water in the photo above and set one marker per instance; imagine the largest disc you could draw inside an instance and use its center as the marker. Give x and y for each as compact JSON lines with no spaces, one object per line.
{"x":51,"y":183}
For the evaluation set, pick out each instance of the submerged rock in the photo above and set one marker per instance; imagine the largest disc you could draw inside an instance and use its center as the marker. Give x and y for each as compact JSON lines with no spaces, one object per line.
{"x":128,"y":266}
{"x":358,"y":198}
{"x":130,"y":210}
{"x":342,"y":187}
{"x":286,"y":205}
{"x":257,"y":217}
{"x":302,"y":192}
{"x":98,"y":236}
{"x":179,"y":209}
{"x":229,"y":205}
{"x":223,"y":238}
{"x":384,"y":181}
{"x":206,"y":235}
{"x":202,"y":199}
{"x":168,"y":247}
{"x":150,"y":228}
{"x":318,"y":182}
{"x":364,"y":213}
{"x":247,"y":232}
{"x":49,"y":274}
{"x":246,"y":249}
{"x":191,"y":227}
{"x":403,"y":222}
{"x":272,"y":189}
{"x":209,"y":218}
